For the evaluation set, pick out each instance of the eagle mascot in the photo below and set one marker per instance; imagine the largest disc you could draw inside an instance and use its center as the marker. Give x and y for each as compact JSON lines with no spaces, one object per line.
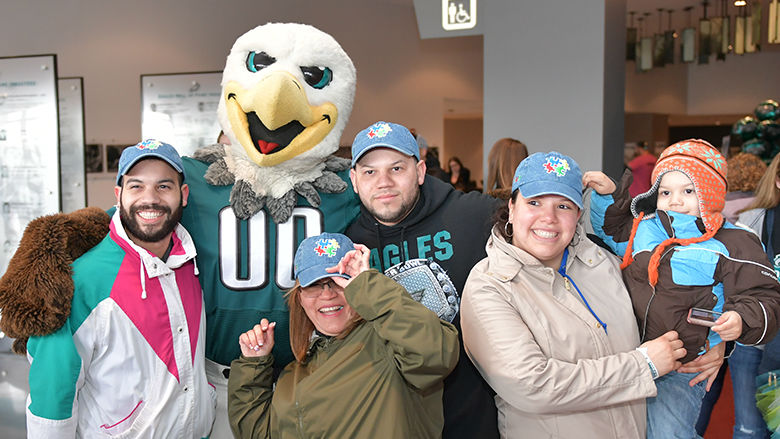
{"x":287,"y":93}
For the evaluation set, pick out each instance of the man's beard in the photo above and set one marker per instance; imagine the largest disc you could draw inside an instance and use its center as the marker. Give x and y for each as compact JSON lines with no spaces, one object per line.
{"x":397,"y":216}
{"x":131,"y":225}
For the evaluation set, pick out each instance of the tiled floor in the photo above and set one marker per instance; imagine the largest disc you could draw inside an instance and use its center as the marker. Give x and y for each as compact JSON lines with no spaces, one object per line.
{"x":13,"y":395}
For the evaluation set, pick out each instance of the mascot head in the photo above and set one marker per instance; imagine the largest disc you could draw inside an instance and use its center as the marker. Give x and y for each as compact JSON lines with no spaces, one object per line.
{"x":287,"y":92}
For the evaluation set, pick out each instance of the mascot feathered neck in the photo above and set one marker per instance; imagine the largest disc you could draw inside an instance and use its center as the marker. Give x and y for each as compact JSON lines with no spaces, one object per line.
{"x":287,"y":93}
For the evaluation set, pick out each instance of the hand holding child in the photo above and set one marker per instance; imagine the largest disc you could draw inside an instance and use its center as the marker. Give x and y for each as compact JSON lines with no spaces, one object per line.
{"x":665,"y":352}
{"x":258,"y":341}
{"x":599,"y":182}
{"x":706,"y":365}
{"x":729,"y":326}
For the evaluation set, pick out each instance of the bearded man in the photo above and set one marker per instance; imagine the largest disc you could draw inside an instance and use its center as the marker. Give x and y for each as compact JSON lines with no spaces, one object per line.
{"x":130,"y":358}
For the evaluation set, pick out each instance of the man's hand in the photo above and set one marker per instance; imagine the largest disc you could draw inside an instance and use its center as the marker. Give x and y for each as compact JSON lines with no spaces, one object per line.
{"x":707,"y":365}
{"x":258,"y":341}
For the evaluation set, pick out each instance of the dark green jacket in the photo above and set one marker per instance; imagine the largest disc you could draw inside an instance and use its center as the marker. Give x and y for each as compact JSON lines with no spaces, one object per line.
{"x":383,"y":380}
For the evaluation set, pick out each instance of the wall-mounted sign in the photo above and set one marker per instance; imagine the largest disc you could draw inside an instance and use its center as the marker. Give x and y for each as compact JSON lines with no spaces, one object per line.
{"x":458,"y":14}
{"x":73,"y":177}
{"x":180,"y":109}
{"x":29,"y":146}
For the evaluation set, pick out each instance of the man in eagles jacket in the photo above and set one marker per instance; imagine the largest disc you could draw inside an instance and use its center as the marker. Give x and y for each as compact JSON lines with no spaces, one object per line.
{"x":406,"y":215}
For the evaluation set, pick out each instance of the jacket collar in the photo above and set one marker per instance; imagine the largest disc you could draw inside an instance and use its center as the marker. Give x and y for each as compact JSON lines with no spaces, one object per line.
{"x":183,"y":249}
{"x":506,"y":260}
{"x":679,"y":225}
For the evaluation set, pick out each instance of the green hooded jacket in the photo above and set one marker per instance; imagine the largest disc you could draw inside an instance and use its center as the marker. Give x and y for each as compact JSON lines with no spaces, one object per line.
{"x":383,"y":380}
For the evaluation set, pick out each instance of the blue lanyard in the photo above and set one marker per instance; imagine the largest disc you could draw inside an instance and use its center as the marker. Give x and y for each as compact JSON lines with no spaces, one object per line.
{"x":562,"y":271}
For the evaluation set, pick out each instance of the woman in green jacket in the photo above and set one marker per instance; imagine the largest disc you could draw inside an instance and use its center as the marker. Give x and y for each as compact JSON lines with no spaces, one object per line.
{"x":369,"y":359}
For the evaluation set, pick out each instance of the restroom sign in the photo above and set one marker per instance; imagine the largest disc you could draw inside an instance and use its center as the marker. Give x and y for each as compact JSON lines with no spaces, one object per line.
{"x":458,"y":14}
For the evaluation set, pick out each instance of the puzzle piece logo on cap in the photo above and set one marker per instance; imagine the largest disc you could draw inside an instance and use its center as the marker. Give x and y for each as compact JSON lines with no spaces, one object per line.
{"x":379,"y":129}
{"x":557,"y":165}
{"x":326,"y":247}
{"x":149,"y":144}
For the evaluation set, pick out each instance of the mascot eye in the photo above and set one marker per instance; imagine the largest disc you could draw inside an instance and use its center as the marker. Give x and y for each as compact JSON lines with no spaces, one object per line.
{"x":317,"y":77}
{"x":258,"y":61}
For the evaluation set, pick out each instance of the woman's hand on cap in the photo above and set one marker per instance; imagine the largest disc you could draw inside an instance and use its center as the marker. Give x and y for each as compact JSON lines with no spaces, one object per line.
{"x":352,"y":264}
{"x":258,"y":341}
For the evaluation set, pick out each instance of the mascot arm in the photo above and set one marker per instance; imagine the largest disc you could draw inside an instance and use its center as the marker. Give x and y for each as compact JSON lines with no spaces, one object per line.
{"x":36,"y":289}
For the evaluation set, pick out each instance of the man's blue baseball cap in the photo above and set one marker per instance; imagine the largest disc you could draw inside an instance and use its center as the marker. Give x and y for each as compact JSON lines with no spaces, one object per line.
{"x":146,"y":149}
{"x":316,"y":253}
{"x":549,"y":173}
{"x":385,"y":135}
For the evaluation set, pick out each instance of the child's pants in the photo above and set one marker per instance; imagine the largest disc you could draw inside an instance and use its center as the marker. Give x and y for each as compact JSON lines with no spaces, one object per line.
{"x":673,"y":412}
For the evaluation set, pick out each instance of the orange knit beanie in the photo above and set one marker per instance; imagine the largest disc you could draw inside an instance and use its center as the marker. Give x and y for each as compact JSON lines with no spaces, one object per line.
{"x":706,"y":168}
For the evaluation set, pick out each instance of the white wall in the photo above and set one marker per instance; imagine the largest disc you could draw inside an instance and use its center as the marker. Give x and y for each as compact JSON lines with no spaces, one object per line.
{"x":544,"y":70}
{"x":733,"y":86}
{"x":400,"y":77}
{"x":111,"y":43}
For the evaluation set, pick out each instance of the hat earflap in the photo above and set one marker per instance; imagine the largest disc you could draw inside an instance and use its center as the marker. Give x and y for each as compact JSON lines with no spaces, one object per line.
{"x":628,"y":257}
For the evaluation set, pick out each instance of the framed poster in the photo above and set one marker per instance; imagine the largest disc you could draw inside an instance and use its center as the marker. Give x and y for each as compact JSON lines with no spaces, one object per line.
{"x":181,"y":109}
{"x":30,"y":149}
{"x":113,"y":152}
{"x":73,"y":176}
{"x":93,"y":157}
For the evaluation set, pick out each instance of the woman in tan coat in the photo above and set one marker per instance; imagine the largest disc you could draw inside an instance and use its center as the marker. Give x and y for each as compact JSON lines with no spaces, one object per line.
{"x":548,"y":322}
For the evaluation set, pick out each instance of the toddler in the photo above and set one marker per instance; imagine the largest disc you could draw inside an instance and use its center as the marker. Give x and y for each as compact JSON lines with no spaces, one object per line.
{"x":679,"y":253}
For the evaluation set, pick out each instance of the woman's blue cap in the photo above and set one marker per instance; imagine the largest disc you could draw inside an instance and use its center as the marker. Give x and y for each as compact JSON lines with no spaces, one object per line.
{"x":550,"y":173}
{"x":316,"y":253}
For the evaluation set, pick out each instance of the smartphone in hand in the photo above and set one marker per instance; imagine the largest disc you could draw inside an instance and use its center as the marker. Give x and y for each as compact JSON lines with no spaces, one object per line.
{"x":703,"y":317}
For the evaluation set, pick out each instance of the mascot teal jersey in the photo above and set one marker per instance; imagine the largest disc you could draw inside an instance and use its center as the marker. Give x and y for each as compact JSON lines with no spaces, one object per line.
{"x":246,"y":266}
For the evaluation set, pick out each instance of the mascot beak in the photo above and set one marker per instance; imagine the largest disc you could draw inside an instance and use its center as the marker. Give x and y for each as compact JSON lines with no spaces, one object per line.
{"x":274,"y":121}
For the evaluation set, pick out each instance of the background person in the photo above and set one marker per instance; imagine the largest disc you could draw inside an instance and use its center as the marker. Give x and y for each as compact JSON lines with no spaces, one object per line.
{"x":369,"y":360}
{"x":641,"y":167}
{"x":407,"y":215}
{"x":429,"y":156}
{"x":744,"y":172}
{"x":459,"y":176}
{"x":548,"y":322}
{"x":760,"y":217}
{"x":130,"y":358}
{"x":503,"y":159}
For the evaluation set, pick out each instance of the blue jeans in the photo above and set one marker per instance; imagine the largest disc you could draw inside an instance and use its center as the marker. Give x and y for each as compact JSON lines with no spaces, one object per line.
{"x":673,"y":412}
{"x":710,"y":399}
{"x":743,"y":364}
{"x":771,"y":359}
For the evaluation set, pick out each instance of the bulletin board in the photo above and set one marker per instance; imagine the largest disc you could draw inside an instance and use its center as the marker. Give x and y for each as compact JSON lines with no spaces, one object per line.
{"x":29,"y":146}
{"x":181,"y":109}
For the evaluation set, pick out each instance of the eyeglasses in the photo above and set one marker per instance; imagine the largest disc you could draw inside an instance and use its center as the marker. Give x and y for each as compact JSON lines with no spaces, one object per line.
{"x":315,"y":290}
